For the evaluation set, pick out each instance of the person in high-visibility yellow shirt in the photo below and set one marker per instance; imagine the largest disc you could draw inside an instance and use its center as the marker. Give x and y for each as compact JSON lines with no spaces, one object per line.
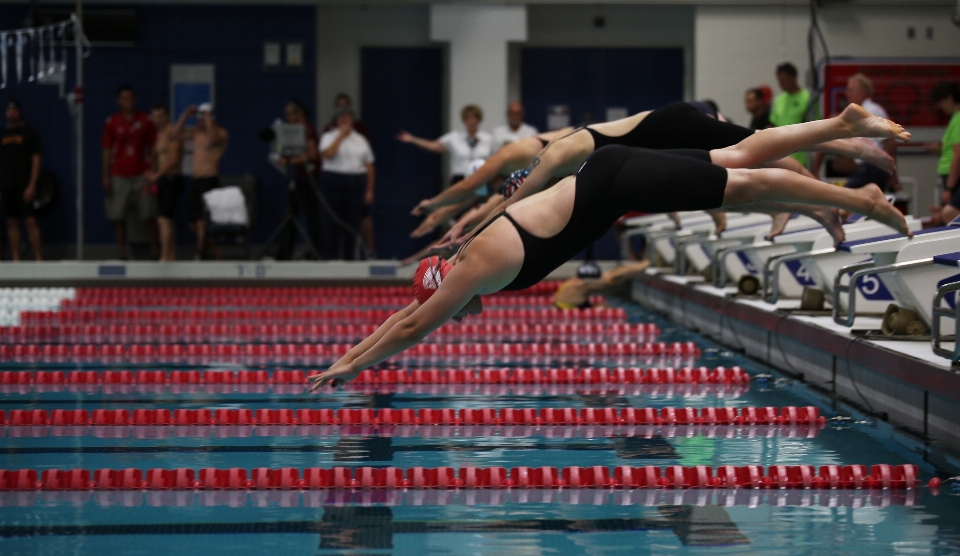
{"x":946,"y":96}
{"x":790,"y":106}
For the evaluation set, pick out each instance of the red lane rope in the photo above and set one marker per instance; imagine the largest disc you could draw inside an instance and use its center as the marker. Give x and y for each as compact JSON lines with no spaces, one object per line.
{"x":881,"y":476}
{"x":684,"y":390}
{"x":485,"y":353}
{"x":394,"y":300}
{"x":423,"y":431}
{"x":236,"y":293}
{"x":568,"y":416}
{"x":302,"y":316}
{"x":336,"y":333}
{"x":586,"y":375}
{"x":381,"y":497}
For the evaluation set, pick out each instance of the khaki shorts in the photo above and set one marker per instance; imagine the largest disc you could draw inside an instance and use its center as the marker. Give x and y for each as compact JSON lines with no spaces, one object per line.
{"x":127,"y":192}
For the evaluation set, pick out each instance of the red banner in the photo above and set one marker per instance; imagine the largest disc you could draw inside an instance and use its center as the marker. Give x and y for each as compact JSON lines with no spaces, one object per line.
{"x":902,"y":87}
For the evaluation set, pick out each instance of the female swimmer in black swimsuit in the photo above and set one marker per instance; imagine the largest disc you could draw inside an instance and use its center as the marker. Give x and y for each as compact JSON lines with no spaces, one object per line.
{"x":675,"y":126}
{"x":540,"y":233}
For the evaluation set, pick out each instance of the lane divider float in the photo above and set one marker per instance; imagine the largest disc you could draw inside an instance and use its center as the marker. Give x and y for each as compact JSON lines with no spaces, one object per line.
{"x":560,"y":375}
{"x":648,"y":416}
{"x":858,"y":477}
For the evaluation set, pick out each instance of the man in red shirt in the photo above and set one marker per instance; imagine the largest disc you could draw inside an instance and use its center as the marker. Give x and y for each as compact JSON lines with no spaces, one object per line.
{"x":128,"y":139}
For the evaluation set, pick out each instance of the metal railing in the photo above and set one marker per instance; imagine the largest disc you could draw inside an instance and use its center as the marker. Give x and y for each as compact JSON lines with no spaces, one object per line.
{"x":770,"y":284}
{"x":941,"y":312}
{"x":857,"y":271}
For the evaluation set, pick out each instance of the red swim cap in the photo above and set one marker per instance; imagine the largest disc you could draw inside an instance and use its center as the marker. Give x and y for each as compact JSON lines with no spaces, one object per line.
{"x":430,"y":273}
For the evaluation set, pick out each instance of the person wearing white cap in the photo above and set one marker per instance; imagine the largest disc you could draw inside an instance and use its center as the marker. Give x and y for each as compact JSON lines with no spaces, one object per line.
{"x":209,"y":143}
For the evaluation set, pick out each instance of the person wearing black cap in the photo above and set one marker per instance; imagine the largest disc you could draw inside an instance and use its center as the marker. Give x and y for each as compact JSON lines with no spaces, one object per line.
{"x":19,"y":170}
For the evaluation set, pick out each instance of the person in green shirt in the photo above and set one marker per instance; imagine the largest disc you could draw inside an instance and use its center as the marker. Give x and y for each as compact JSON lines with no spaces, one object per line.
{"x":790,"y":106}
{"x":946,"y":95}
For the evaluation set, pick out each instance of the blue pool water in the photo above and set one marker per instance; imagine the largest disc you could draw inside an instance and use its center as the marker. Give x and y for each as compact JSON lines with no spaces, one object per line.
{"x":473,"y":522}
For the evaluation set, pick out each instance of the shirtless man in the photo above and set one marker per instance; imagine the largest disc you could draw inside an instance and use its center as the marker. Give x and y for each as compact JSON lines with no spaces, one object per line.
{"x":209,"y":143}
{"x":166,"y":173}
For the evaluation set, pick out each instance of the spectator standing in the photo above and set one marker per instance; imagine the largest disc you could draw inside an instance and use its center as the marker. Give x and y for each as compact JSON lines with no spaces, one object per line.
{"x":306,"y":172}
{"x":127,"y":142}
{"x":209,"y":143}
{"x":340,"y":103}
{"x":791,"y":105}
{"x":19,"y":170}
{"x":515,"y":128}
{"x":168,"y":175}
{"x":464,"y":146}
{"x":348,"y":181}
{"x":758,"y":108}
{"x":946,"y":95}
{"x":860,"y":91}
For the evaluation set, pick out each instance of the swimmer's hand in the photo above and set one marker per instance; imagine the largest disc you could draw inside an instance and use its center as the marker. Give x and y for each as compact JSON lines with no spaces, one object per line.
{"x":335,"y":377}
{"x":428,"y":225}
{"x":442,"y":252}
{"x":454,"y":236}
{"x":422,"y":208}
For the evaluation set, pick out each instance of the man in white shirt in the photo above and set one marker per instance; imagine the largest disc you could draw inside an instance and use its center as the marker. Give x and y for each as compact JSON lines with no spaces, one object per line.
{"x":347,"y":182}
{"x":515,"y":128}
{"x":859,"y":91}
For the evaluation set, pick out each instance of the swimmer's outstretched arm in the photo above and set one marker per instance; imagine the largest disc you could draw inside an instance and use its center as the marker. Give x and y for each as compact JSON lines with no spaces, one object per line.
{"x":438,"y":217}
{"x":566,"y":152}
{"x":470,"y":221}
{"x":623,"y":273}
{"x":371,"y":340}
{"x":464,"y":189}
{"x":408,"y":327}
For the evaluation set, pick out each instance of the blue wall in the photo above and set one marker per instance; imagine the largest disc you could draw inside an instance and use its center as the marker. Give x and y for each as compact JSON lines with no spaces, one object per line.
{"x":405,"y":174}
{"x":594,"y":79}
{"x":247,"y":97}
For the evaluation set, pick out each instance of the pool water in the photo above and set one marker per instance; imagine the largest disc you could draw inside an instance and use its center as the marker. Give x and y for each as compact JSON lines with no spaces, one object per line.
{"x":509,"y":521}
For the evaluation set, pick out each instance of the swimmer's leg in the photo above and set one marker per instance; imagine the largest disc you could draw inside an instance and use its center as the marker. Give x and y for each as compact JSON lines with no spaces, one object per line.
{"x":746,"y":187}
{"x":772,"y":144}
{"x":828,"y":217}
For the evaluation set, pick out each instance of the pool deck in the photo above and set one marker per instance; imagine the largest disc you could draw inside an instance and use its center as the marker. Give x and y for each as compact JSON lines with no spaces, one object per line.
{"x":902,"y":381}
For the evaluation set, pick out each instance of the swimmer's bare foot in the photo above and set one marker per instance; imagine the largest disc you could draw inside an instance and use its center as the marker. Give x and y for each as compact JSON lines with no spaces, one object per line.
{"x":882,"y":211}
{"x":719,"y":221}
{"x":675,"y":216}
{"x":864,"y":124}
{"x":832,"y":221}
{"x":878,"y":157}
{"x":780,"y":221}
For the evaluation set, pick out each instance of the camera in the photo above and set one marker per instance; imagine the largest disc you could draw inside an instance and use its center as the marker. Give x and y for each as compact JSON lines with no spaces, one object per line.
{"x":285,"y":139}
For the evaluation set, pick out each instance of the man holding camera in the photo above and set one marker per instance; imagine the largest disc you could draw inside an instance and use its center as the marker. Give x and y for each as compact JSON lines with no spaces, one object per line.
{"x":306,"y":170}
